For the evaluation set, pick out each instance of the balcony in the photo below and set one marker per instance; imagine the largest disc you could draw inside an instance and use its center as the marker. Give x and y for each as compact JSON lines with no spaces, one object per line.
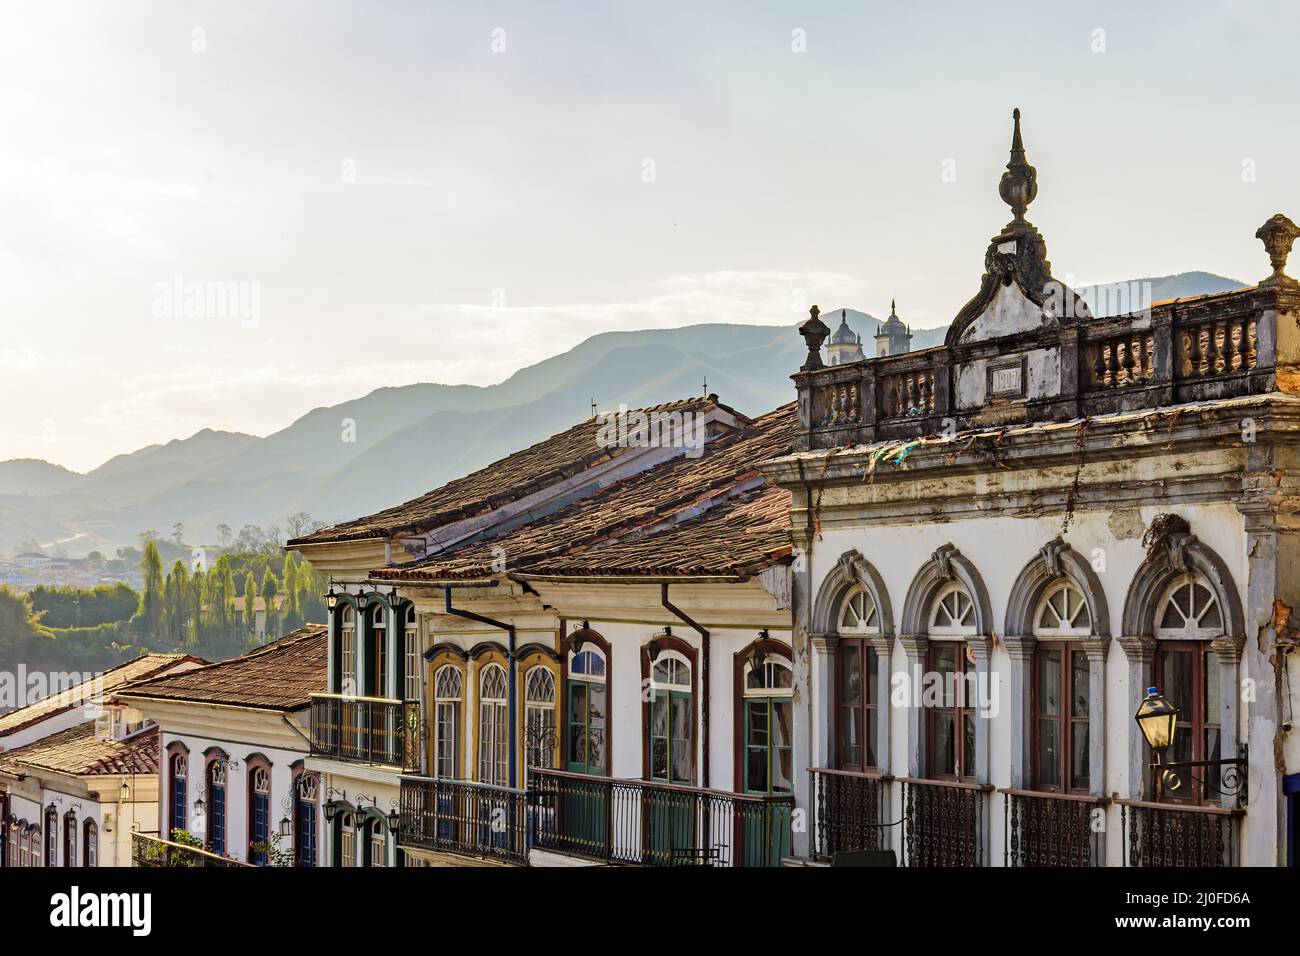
{"x":848,"y":812}
{"x":1212,"y":347}
{"x":468,"y":819}
{"x":945,"y":823}
{"x":1051,"y":829}
{"x":151,"y":851}
{"x":370,"y":730}
{"x":1182,"y":835}
{"x":606,"y":820}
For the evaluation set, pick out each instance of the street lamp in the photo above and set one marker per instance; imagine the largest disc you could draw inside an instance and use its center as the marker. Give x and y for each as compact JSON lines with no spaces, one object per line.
{"x":284,"y":828}
{"x":1158,"y":718}
{"x":331,"y":600}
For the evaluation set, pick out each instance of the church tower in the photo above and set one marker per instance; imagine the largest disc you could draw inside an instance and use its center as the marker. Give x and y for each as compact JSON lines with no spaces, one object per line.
{"x":893,"y":337}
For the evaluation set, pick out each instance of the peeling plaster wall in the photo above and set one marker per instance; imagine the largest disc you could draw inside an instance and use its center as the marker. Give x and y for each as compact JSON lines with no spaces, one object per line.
{"x":1010,"y":312}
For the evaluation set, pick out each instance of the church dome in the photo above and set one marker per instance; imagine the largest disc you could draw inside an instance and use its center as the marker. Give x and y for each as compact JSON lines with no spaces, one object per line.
{"x":844,"y":335}
{"x":892,"y":325}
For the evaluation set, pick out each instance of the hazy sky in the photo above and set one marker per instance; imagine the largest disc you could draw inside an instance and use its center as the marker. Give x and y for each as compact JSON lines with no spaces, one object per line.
{"x":410,"y":204}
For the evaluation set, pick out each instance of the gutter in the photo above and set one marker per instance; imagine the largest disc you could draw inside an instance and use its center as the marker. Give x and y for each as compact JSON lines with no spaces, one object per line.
{"x":704,"y":678}
{"x":511,"y":704}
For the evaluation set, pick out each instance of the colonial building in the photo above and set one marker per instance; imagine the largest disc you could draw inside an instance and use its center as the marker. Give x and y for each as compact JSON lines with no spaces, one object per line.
{"x":79,"y":772}
{"x":233,"y":738}
{"x":1002,"y":542}
{"x":892,"y":337}
{"x":604,"y":624}
{"x":844,"y":345}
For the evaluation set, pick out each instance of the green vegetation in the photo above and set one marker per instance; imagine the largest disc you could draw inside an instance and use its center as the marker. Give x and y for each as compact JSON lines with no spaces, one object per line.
{"x":67,"y":628}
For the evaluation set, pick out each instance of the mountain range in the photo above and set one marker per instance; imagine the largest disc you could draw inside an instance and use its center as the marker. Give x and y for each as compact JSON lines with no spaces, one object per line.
{"x":396,"y":443}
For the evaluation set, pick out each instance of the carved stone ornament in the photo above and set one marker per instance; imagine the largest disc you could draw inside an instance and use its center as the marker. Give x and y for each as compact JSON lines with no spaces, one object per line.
{"x":1277,"y":235}
{"x":814,"y":333}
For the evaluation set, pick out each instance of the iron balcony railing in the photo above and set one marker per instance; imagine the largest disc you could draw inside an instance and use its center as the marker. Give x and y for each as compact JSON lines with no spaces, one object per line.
{"x":649,"y":824}
{"x":945,"y":822}
{"x":470,"y":819}
{"x":1052,"y":829}
{"x":149,"y":851}
{"x":848,"y":811}
{"x":1182,"y":835}
{"x":370,"y":730}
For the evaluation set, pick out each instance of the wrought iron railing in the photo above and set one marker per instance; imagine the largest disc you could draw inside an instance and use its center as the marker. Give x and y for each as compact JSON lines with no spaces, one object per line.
{"x":470,"y":819}
{"x":369,"y":730}
{"x":151,"y":851}
{"x":1052,"y":829}
{"x":848,"y":811}
{"x":1182,"y":835}
{"x":649,"y":824}
{"x":945,"y":822}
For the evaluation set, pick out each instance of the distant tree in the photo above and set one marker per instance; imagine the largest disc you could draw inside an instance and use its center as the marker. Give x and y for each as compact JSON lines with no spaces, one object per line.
{"x":146,"y":536}
{"x":178,"y":534}
{"x":270,"y":591}
{"x":20,"y":627}
{"x":221,"y":599}
{"x":250,"y":538}
{"x":292,"y":618}
{"x":224,"y":535}
{"x":176,"y":605}
{"x":311,"y":594}
{"x":196,"y":598}
{"x":95,"y":557}
{"x":152,"y":602}
{"x":250,"y":607}
{"x":298,"y":523}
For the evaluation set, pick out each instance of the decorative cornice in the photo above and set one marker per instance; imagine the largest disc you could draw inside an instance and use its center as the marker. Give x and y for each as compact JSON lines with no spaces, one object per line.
{"x":1020,"y":647}
{"x":981,"y":646}
{"x":1096,"y":647}
{"x":915,"y":645}
{"x":1228,"y":649}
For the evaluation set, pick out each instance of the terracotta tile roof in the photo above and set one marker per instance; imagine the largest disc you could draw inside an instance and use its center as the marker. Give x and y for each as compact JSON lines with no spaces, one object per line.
{"x":652,"y":515}
{"x":139,"y":668}
{"x":78,"y":751}
{"x":281,"y":675}
{"x":516,"y":476}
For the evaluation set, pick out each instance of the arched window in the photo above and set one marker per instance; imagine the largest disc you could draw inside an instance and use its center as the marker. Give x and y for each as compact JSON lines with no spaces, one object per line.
{"x":767,"y":699}
{"x":12,"y":831}
{"x":51,"y":837}
{"x":347,"y":840}
{"x":70,"y":838}
{"x":857,"y":688}
{"x":1061,"y":691}
{"x":259,"y":814}
{"x":447,"y":697}
{"x":587,"y":696}
{"x":91,"y":844}
{"x":348,"y":650}
{"x":378,"y":843}
{"x":178,"y":766}
{"x":493,"y":729}
{"x":410,"y":655}
{"x":539,"y":717}
{"x":950,"y":716}
{"x":672,"y":719}
{"x":953,"y":613}
{"x":216,"y":800}
{"x":306,"y":797}
{"x":1187,"y":672}
{"x":34,"y":845}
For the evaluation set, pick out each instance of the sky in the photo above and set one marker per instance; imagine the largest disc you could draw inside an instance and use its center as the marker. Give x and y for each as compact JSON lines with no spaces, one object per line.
{"x":225,"y":214}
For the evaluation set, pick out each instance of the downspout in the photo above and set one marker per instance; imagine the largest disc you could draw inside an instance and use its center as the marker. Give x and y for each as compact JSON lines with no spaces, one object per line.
{"x":704,"y":678}
{"x":511,"y":704}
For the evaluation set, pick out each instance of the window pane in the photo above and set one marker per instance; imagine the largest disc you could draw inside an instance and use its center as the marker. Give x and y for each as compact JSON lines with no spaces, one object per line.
{"x":873,"y":665}
{"x":1176,"y":674}
{"x":681,"y":717}
{"x":756,"y":768}
{"x":1049,"y":751}
{"x":850,"y":745}
{"x":1049,"y":682}
{"x":1212,"y":702}
{"x":756,"y":719}
{"x":871,"y":739}
{"x":1079,"y":686}
{"x":596,"y":728}
{"x":851,"y":684}
{"x":944,"y":744}
{"x":1212,"y":752}
{"x":781,"y":723}
{"x":968,"y":748}
{"x":1079,"y":776}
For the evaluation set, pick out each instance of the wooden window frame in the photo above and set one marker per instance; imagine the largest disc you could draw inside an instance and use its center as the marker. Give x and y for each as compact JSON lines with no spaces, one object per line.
{"x":959,"y":711}
{"x":90,"y":844}
{"x":740,"y":735}
{"x":254,"y":764}
{"x":1066,"y":719}
{"x":677,"y":645}
{"x":1202,"y":657}
{"x":567,"y":721}
{"x":868,"y":713}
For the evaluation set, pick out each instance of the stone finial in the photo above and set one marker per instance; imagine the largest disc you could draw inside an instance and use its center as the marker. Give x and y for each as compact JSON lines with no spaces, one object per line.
{"x":1277,"y":235}
{"x":814,"y":333}
{"x":1019,"y":184}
